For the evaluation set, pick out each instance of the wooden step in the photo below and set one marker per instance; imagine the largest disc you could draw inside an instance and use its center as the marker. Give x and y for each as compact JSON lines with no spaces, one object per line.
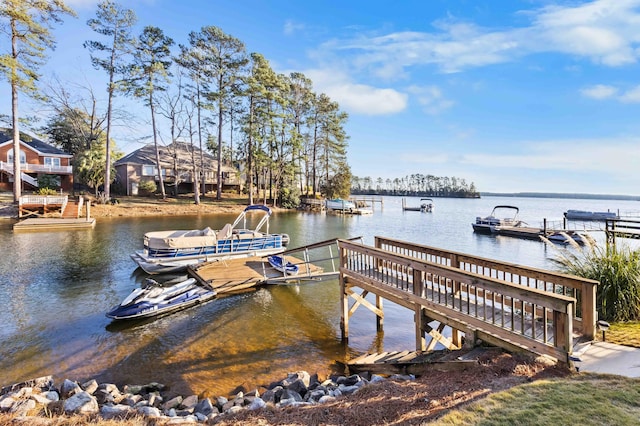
{"x":71,"y":210}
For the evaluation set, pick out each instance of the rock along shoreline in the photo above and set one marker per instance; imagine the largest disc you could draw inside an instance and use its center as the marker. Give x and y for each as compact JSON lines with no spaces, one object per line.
{"x":40,"y":397}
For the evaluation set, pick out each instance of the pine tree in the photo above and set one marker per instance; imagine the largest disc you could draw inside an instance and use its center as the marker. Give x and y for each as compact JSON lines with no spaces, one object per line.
{"x":29,"y":23}
{"x":115,"y":23}
{"x":149,"y":74}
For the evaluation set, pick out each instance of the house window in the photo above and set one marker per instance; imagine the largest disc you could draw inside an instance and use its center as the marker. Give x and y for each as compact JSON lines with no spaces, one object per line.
{"x":225,"y":175}
{"x":52,"y":161}
{"x":23,"y":156}
{"x":149,"y":171}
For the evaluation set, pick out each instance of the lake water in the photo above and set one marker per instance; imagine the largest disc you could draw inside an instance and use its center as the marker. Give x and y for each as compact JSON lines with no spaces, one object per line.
{"x":56,"y":286}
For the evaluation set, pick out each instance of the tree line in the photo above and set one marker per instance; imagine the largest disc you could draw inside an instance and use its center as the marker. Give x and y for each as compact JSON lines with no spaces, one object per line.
{"x":286,"y":139}
{"x":415,"y":185}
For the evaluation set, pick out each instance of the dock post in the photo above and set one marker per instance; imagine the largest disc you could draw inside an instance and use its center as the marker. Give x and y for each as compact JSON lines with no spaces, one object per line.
{"x":344,"y":320}
{"x":420,"y":322}
{"x":379,"y":318}
{"x":88,"y":204}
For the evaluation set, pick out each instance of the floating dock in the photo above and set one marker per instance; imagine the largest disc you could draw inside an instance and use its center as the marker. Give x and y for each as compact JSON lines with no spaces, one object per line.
{"x":232,"y":275}
{"x":54,"y":224}
{"x":522,"y":232}
{"x":356,"y":212}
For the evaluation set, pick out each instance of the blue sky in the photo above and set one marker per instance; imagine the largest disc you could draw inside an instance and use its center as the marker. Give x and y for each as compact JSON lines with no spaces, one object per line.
{"x":511,"y":95}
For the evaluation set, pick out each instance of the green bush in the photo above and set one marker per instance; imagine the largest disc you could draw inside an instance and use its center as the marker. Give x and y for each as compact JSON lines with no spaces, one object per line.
{"x":148,"y":186}
{"x":289,"y":198}
{"x":48,"y":181}
{"x":47,"y":191}
{"x":618,"y":271}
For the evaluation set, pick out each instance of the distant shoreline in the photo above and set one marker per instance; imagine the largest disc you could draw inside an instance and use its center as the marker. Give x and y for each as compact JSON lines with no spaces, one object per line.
{"x":562,"y":195}
{"x":519,"y":194}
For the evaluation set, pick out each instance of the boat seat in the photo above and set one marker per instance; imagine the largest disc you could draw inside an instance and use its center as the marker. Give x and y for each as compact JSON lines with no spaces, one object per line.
{"x":225,"y":232}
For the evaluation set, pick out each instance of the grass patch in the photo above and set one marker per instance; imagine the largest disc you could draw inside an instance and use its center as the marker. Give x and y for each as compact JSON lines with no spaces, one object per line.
{"x":585,"y":399}
{"x":623,"y":333}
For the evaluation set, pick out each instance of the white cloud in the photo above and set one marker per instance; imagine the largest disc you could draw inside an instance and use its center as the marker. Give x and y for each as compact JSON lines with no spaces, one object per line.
{"x":431,"y":99}
{"x":618,"y":157}
{"x":599,"y":91}
{"x":631,"y":96}
{"x":357,"y":98}
{"x":291,"y":27}
{"x":603,"y":31}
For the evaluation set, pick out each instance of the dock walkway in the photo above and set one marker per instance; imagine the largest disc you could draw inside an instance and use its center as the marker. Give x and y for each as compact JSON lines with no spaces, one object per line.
{"x":511,"y":306}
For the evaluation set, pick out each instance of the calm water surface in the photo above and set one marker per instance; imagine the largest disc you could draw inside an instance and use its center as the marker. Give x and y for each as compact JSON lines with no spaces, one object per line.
{"x":56,"y":286}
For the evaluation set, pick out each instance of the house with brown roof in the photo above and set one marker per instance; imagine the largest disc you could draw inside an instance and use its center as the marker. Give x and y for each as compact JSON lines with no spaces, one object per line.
{"x":37,"y":158}
{"x":176,"y":166}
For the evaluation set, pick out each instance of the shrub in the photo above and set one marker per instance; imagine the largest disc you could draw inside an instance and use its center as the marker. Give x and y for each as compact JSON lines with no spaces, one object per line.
{"x":289,"y":198}
{"x":47,"y":191}
{"x":48,"y":181}
{"x":148,"y":186}
{"x":618,"y":271}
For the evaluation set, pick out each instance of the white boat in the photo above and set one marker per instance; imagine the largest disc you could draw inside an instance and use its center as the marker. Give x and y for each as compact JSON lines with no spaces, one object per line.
{"x":426,"y":205}
{"x":153,"y":299}
{"x":172,"y":251}
{"x":497,"y":219}
{"x":340,"y":204}
{"x":588,"y":215}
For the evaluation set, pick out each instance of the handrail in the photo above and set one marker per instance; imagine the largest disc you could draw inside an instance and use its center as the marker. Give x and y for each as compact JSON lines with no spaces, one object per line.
{"x":28,"y":167}
{"x":42,"y":200}
{"x":532,"y":318}
{"x":582,"y":289}
{"x":622,"y":228}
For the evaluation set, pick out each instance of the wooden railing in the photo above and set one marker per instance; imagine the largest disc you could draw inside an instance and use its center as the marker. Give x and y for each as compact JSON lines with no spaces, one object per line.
{"x":532,"y":319}
{"x":582,"y":289}
{"x":30,"y":203}
{"x":622,"y":228}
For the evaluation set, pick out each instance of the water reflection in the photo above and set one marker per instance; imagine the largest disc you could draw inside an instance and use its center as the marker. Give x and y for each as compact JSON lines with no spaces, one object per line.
{"x":56,"y":287}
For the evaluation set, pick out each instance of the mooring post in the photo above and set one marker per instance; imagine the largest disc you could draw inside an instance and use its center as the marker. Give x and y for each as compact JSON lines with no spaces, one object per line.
{"x":344,"y":320}
{"x":379,"y":318}
{"x":421,"y":341}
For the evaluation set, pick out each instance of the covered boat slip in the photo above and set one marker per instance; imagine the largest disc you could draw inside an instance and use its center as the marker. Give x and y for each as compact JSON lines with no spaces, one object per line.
{"x":511,"y":306}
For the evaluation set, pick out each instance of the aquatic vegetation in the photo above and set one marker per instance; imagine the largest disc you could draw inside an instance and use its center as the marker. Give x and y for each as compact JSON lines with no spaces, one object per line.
{"x":616,"y":267}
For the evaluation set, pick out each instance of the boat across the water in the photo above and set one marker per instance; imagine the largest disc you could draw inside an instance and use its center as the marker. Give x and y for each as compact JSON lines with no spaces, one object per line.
{"x":502,"y":216}
{"x":281,"y":264}
{"x":589,"y":215}
{"x":426,"y":205}
{"x":172,"y":251}
{"x":153,"y":299}
{"x":340,"y":204}
{"x":565,"y":237}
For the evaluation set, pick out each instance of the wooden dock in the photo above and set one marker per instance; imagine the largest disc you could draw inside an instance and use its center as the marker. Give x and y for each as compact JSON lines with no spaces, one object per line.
{"x":523,"y":232}
{"x":54,"y":224}
{"x":233,"y":275}
{"x":511,"y":306}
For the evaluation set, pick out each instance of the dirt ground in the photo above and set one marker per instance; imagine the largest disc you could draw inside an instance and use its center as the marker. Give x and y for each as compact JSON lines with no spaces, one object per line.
{"x":411,"y":402}
{"x":145,"y":206}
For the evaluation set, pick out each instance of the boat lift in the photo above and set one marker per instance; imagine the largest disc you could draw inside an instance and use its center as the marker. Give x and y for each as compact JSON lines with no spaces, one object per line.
{"x":310,"y":267}
{"x":232,"y":275}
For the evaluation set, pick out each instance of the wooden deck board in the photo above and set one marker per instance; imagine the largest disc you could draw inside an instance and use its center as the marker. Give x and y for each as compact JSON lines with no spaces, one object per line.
{"x":228,"y":275}
{"x":53,"y":224}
